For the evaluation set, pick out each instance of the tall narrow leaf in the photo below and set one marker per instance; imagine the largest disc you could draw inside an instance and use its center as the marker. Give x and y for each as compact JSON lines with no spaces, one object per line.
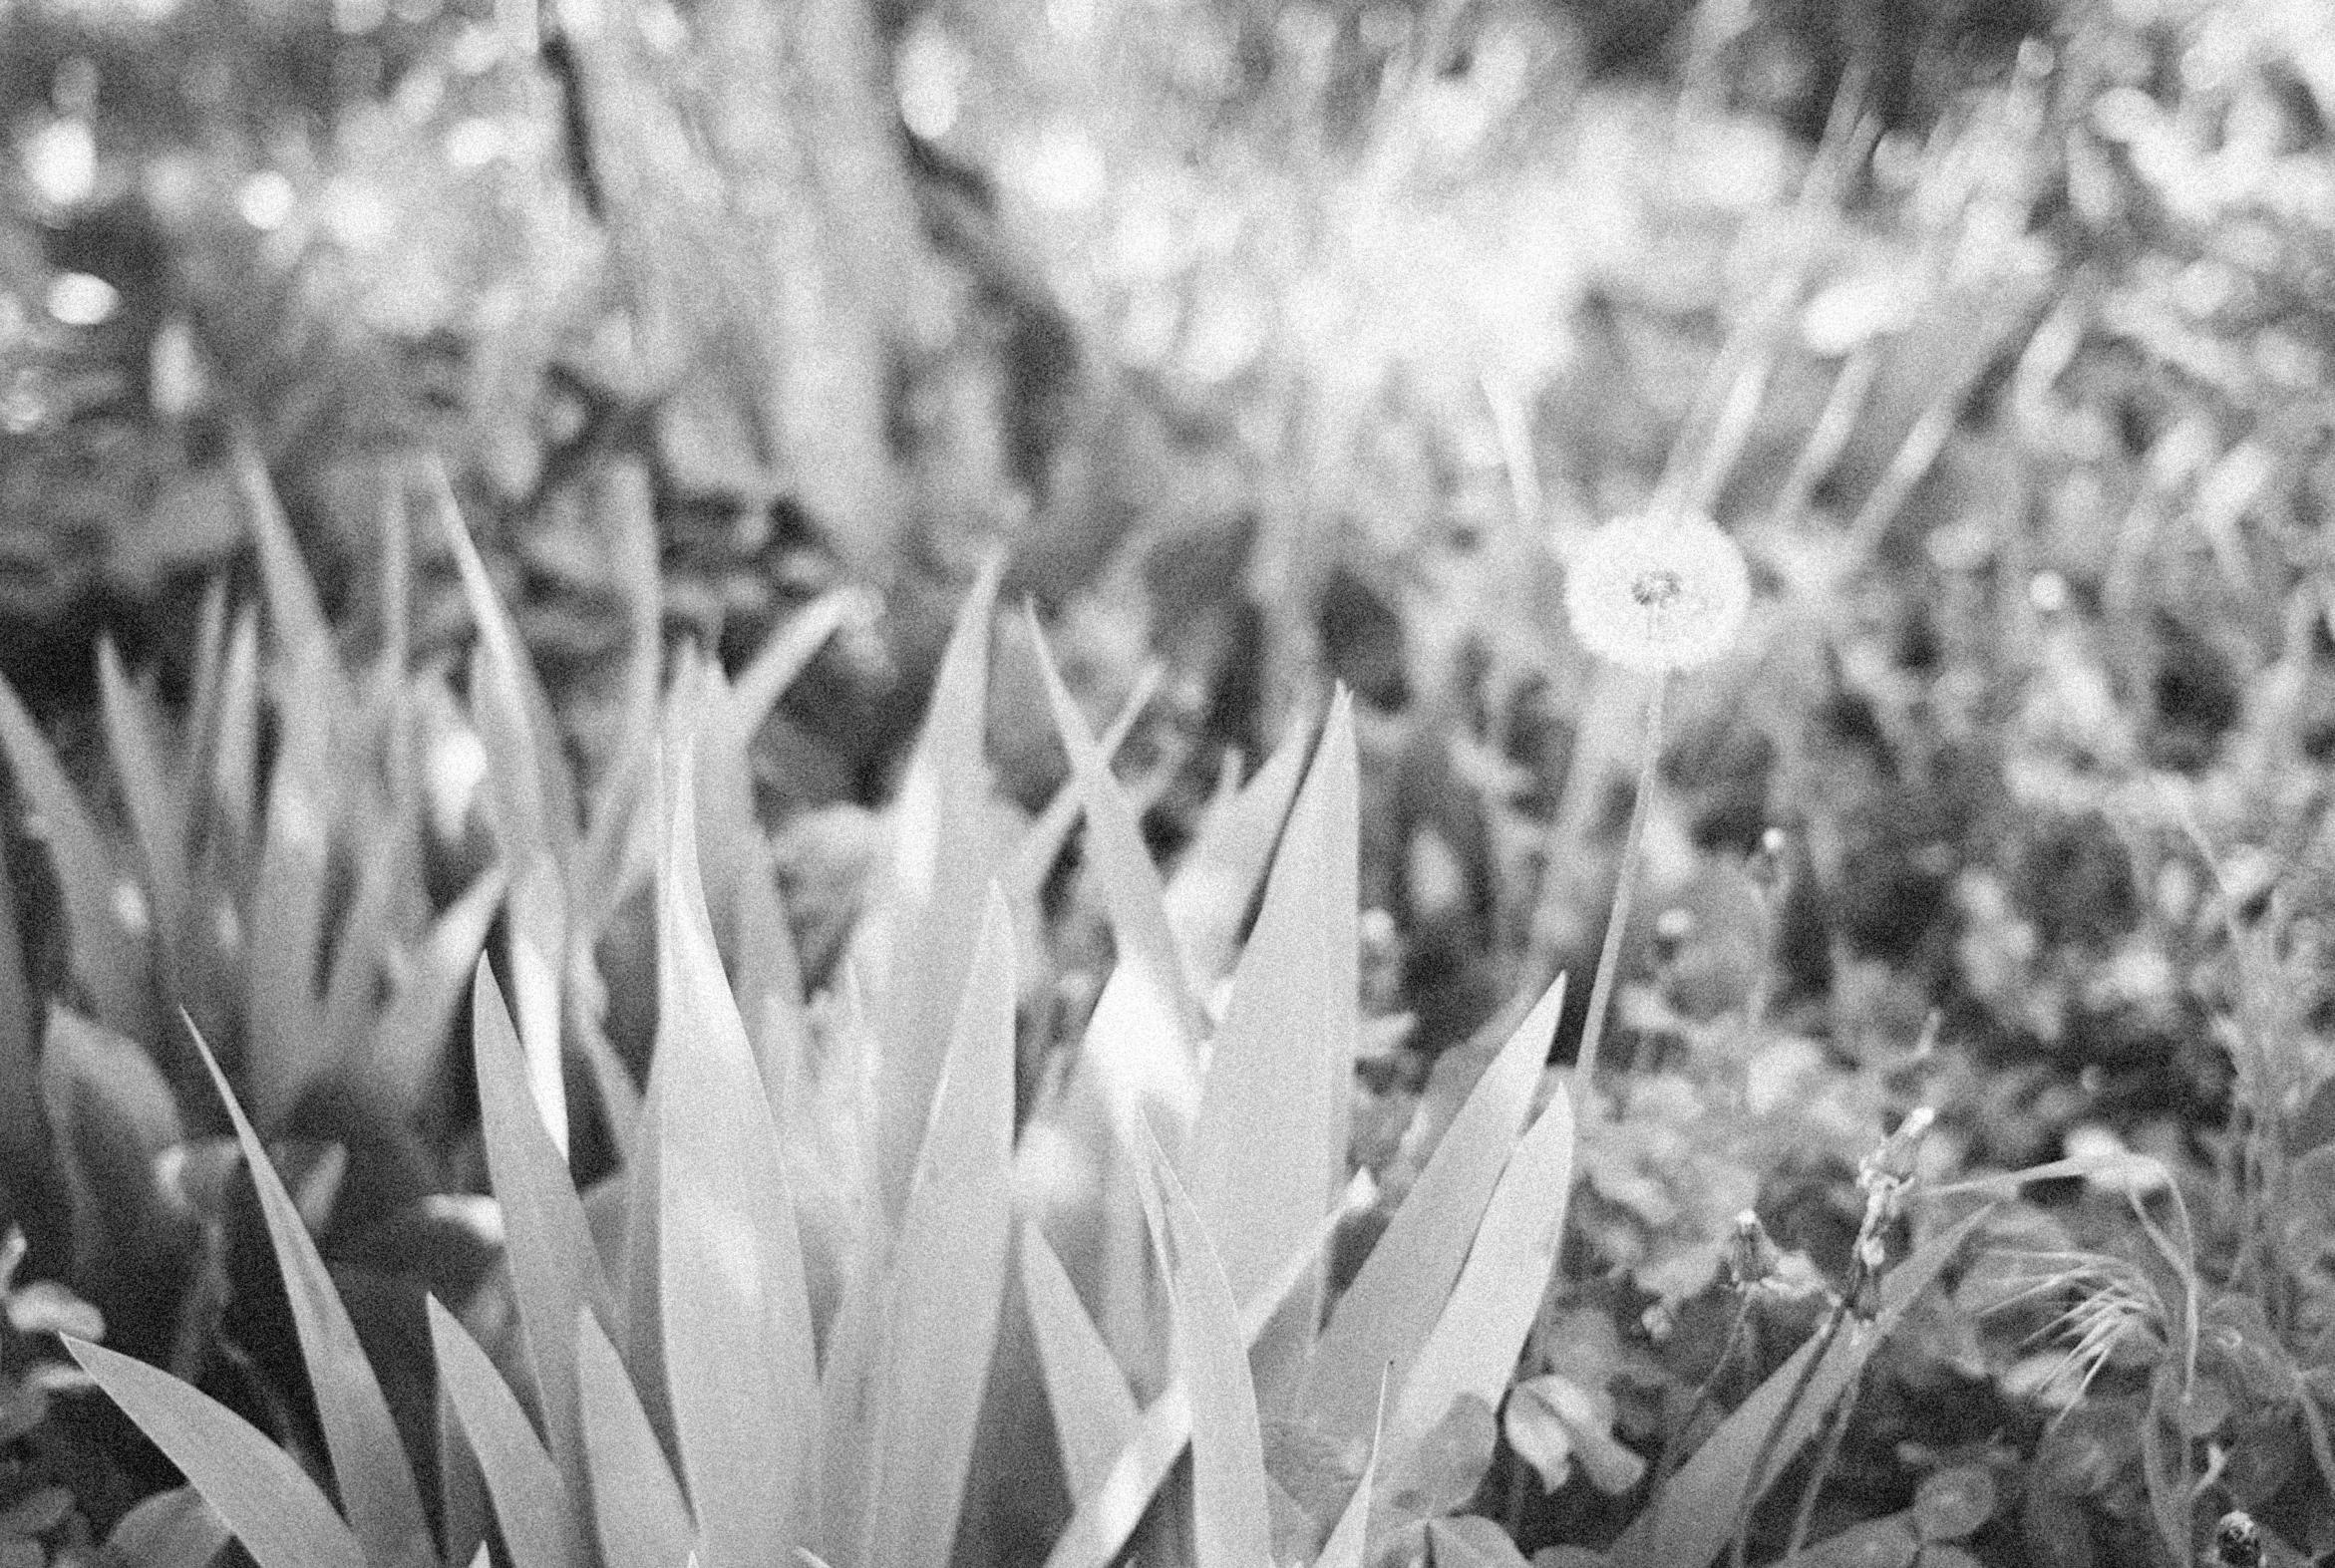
{"x":789,"y":651}
{"x":538,"y":1525}
{"x":556,"y":1271}
{"x":150,"y":792}
{"x":643,"y":1521}
{"x":737,"y":1317}
{"x":947,"y":1276}
{"x":368,"y":1458}
{"x":1268,"y":1147}
{"x":917,"y":943}
{"x":1095,"y":1415}
{"x":1231,"y":1525}
{"x":409,"y":1034}
{"x":273,"y":1508}
{"x":1209,"y":895}
{"x":1482,"y":1329}
{"x":1349,"y":1540}
{"x":292,"y":603}
{"x":1387,"y":1314}
{"x":108,"y":957}
{"x":24,"y":1140}
{"x":285,"y":1040}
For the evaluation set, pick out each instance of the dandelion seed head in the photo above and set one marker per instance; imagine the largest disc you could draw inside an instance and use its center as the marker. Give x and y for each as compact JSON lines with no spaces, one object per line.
{"x":1657,"y":593}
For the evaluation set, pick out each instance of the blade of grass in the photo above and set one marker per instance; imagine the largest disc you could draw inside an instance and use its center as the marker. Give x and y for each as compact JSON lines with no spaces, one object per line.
{"x":947,"y":1276}
{"x":739,"y":1354}
{"x":107,"y":958}
{"x":1388,"y":1314}
{"x":369,"y":1460}
{"x":1095,"y":1413}
{"x":233,"y":776}
{"x":538,"y":1525}
{"x":24,"y":1138}
{"x":917,"y":944}
{"x":637,"y":1506}
{"x":274,"y":1509}
{"x":1481,"y":1327}
{"x":1232,"y":1524}
{"x":464,"y":1513}
{"x":1267,"y":1149}
{"x":555,"y":1270}
{"x":1688,"y":1523}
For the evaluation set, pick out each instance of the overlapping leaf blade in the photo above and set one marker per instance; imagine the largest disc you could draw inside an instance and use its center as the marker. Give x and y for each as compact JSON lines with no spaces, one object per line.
{"x":273,"y":1508}
{"x":369,"y":1460}
{"x":1095,"y":1413}
{"x":739,"y":1356}
{"x":538,"y":1525}
{"x":637,"y":1507}
{"x":947,"y":1277}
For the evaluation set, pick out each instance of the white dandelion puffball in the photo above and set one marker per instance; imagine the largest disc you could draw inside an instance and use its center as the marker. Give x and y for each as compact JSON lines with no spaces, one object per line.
{"x":1657,"y":593}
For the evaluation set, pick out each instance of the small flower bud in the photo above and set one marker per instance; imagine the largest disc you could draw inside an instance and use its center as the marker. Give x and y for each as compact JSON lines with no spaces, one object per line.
{"x":1657,"y":593}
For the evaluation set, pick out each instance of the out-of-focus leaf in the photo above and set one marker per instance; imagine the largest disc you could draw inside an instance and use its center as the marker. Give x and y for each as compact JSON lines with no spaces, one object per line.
{"x":286,"y":1040}
{"x":24,"y":1137}
{"x":789,"y":651}
{"x":233,"y":738}
{"x":916,"y":944}
{"x":369,"y":1462}
{"x":538,"y":1526}
{"x":156,"y":813}
{"x":947,"y":1276}
{"x":636,"y":1504}
{"x":464,"y":1513}
{"x":1268,"y":1147}
{"x":170,"y":1529}
{"x":111,"y":1116}
{"x":1231,"y":1523}
{"x":273,"y":1508}
{"x":554,"y":1268}
{"x":1471,"y":1542}
{"x":1443,"y":1468}
{"x":365,"y":937}
{"x":1877,"y":1543}
{"x":1691,"y":1518}
{"x":1386,"y":1315}
{"x":738,"y":1350}
{"x":292,"y":602}
{"x":408,"y":1037}
{"x":108,"y":957}
{"x":1209,"y":895}
{"x":1482,"y":1329}
{"x":604,"y":860}
{"x":1094,"y":1413}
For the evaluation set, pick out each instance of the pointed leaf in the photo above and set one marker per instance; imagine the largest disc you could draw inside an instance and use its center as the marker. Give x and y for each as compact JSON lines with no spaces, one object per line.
{"x":1482,"y":1328}
{"x":111,"y":1116}
{"x":149,"y":790}
{"x":234,"y":744}
{"x":948,"y":1276}
{"x":108,"y":957}
{"x":292,"y":602}
{"x":1095,"y":1415}
{"x":369,"y":1460}
{"x":274,"y":1509}
{"x":286,"y":1040}
{"x":1386,"y":1315}
{"x":737,"y":1317}
{"x":555,"y":1270}
{"x":1268,"y":1147}
{"x":636,"y":1504}
{"x":24,"y":1138}
{"x":1231,"y":1523}
{"x":1043,"y":840}
{"x":464,"y":1513}
{"x":1349,"y":1540}
{"x":1209,"y":896}
{"x":538,"y":1526}
{"x":409,"y":1037}
{"x":917,"y":943}
{"x":789,"y":651}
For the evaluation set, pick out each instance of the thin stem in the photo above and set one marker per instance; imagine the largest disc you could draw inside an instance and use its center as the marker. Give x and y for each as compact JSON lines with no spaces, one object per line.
{"x":1610,"y":959}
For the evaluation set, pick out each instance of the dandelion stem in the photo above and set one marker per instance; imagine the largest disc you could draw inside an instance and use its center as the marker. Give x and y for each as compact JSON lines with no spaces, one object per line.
{"x":1610,"y":958}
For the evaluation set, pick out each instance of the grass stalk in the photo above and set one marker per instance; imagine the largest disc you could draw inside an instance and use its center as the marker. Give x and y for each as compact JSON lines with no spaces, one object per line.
{"x":1624,"y":886}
